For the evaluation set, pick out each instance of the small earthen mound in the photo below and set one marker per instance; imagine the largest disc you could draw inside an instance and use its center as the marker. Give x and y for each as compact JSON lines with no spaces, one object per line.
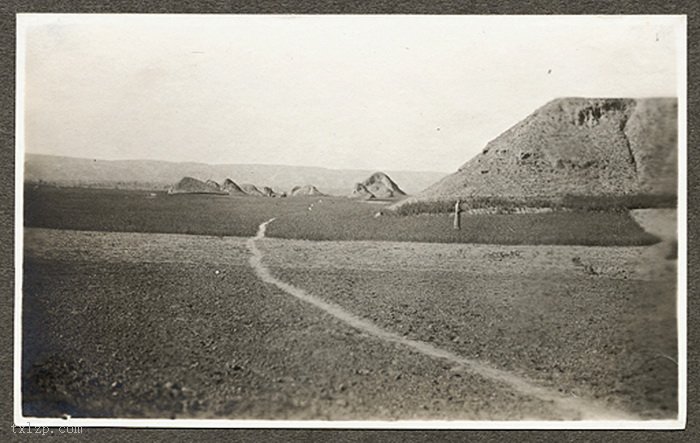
{"x":360,"y":192}
{"x":305,"y":190}
{"x":190,"y":185}
{"x":378,"y":185}
{"x":214,"y":185}
{"x":232,"y":188}
{"x":251,"y":190}
{"x":268,"y":191}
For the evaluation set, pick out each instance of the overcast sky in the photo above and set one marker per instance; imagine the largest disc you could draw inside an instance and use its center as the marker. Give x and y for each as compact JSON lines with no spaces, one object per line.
{"x":352,"y":92}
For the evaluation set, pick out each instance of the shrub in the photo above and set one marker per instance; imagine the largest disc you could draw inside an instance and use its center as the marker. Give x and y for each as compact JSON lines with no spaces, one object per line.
{"x":508,"y":204}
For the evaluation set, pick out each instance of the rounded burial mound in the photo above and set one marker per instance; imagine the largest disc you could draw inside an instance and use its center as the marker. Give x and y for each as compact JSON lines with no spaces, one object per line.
{"x":214,"y":185}
{"x":574,"y":146}
{"x":305,"y":190}
{"x":190,"y":185}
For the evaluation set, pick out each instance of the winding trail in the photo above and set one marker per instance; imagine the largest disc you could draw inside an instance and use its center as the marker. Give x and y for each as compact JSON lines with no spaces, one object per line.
{"x":568,"y":407}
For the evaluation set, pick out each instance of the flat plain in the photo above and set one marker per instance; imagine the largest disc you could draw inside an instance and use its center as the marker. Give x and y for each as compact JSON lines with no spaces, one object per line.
{"x":314,"y":218}
{"x":150,"y":321}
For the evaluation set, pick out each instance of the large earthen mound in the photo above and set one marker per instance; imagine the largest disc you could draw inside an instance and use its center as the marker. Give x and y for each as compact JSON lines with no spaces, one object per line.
{"x":574,"y":146}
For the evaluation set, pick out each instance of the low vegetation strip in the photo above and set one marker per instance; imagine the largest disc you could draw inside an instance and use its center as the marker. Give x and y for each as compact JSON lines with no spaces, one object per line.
{"x":568,"y":407}
{"x":514,"y":204}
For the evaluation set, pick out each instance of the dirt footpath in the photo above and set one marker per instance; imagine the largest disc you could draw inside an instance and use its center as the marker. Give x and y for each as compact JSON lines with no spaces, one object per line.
{"x":590,"y":322}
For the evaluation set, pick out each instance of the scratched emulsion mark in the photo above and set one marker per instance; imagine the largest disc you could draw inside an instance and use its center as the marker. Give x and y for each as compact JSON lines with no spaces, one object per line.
{"x":568,"y":407}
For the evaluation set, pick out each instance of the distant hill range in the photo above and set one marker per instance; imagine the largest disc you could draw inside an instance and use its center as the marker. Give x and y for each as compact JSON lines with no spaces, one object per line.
{"x":153,"y":174}
{"x":574,"y":146}
{"x":378,"y":185}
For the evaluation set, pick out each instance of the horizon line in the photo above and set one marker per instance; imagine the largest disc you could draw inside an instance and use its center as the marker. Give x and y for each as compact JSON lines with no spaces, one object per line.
{"x":26,"y":154}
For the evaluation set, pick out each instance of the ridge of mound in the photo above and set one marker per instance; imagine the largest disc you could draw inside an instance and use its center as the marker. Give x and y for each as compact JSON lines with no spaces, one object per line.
{"x":251,"y":189}
{"x":574,"y":146}
{"x":361,"y":192}
{"x":232,"y":188}
{"x":382,"y":186}
{"x":190,"y":185}
{"x":304,"y":190}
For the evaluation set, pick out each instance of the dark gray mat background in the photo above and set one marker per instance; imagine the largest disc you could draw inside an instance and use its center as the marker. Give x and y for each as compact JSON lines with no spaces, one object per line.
{"x":8,"y":10}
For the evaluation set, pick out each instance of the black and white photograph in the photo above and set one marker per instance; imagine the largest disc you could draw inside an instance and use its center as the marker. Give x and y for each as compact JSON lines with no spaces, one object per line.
{"x":351,"y":221}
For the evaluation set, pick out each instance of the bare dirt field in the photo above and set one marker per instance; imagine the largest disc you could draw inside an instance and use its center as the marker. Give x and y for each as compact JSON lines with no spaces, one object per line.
{"x":113,"y":334}
{"x":590,"y":322}
{"x":149,"y":325}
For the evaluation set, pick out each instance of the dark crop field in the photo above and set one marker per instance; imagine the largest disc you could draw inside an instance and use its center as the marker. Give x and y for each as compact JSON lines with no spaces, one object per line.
{"x":346,"y":220}
{"x":314,"y":218}
{"x":139,"y":211}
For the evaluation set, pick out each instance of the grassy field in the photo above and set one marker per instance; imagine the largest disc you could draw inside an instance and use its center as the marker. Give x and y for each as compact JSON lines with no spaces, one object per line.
{"x":313,"y":218}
